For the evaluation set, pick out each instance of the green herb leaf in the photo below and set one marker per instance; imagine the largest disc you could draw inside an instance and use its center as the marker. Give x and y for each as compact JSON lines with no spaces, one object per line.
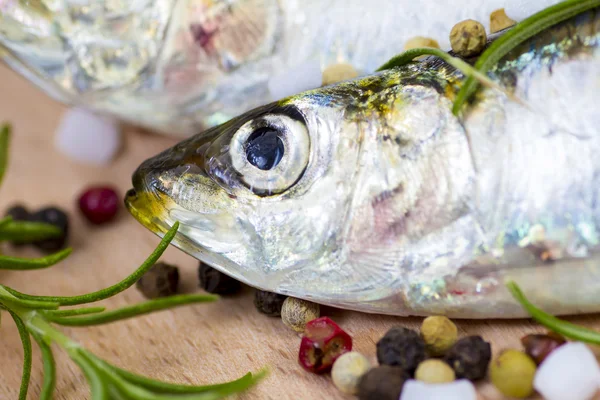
{"x":565,"y":328}
{"x":112,"y":290}
{"x":75,"y":311}
{"x":164,"y":387}
{"x":97,"y":385}
{"x":26,"y":231}
{"x":11,"y":301}
{"x":517,"y":35}
{"x":26,"y":355}
{"x":133,"y":311}
{"x":4,"y":143}
{"x":465,"y":68}
{"x":17,"y":263}
{"x":49,"y":369}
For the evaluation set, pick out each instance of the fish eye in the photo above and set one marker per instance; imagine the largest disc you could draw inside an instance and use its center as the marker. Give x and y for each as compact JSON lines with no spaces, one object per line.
{"x":264,"y":149}
{"x":270,"y":153}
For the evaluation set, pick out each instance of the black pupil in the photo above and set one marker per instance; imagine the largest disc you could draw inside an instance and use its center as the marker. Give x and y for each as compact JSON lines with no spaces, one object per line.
{"x":264,"y":149}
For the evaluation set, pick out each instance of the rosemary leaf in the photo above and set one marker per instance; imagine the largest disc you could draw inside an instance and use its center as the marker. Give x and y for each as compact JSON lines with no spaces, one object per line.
{"x":565,"y":328}
{"x":465,"y":68}
{"x":49,"y":369}
{"x":165,"y":387}
{"x":517,"y":35}
{"x":76,"y":311}
{"x":132,"y":311}
{"x":114,"y":289}
{"x":27,"y":231}
{"x":17,"y":263}
{"x":33,"y":304}
{"x":97,"y":384}
{"x":5,"y":220}
{"x":25,"y":339}
{"x":4,"y":142}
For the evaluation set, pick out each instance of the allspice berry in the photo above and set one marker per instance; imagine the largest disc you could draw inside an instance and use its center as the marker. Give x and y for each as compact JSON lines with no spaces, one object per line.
{"x":296,"y":313}
{"x":468,"y":38}
{"x":434,"y":371}
{"x":439,"y":335}
{"x":499,"y":20}
{"x":159,"y":281}
{"x":382,"y":383}
{"x":538,"y":346}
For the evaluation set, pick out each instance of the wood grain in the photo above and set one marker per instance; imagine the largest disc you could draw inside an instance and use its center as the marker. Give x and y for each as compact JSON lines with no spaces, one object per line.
{"x":204,"y":343}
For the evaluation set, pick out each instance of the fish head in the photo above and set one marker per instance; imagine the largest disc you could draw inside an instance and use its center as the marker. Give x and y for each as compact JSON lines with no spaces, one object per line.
{"x":322,"y":195}
{"x":263,"y":197}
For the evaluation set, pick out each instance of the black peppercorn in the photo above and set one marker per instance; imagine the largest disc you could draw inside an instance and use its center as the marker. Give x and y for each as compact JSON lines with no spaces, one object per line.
{"x":56,"y":217}
{"x":401,"y":347}
{"x":18,"y":213}
{"x":269,"y":303}
{"x":382,"y":383}
{"x":159,"y":281}
{"x":214,"y":281}
{"x":469,"y":357}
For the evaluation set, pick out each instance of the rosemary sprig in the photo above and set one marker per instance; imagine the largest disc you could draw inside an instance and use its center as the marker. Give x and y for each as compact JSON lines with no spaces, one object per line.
{"x":567,"y":329}
{"x":35,"y":317}
{"x":409,"y":55}
{"x":517,"y":35}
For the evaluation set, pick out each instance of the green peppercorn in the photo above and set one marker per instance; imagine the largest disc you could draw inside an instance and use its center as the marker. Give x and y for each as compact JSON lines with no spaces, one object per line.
{"x":469,"y":357}
{"x":401,"y":347}
{"x":468,"y":38}
{"x":159,"y":281}
{"x":268,"y":303}
{"x":439,"y":334}
{"x":434,"y":371}
{"x":296,"y":313}
{"x":382,"y":383}
{"x":512,"y":372}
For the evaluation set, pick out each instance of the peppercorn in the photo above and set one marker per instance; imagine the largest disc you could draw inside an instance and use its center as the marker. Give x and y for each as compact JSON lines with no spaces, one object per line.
{"x":401,"y":347}
{"x":322,"y":344}
{"x":468,"y":38}
{"x":268,"y":303}
{"x":347,"y":371}
{"x":512,"y":373}
{"x":382,"y":383}
{"x":434,"y":371}
{"x":499,"y":20}
{"x":160,"y":280}
{"x":420,"y":41}
{"x":53,"y":216}
{"x":296,"y":313}
{"x":99,"y":204}
{"x":18,"y":213}
{"x":439,"y":334}
{"x":538,"y":347}
{"x":337,"y":73}
{"x":469,"y":357}
{"x":214,"y":281}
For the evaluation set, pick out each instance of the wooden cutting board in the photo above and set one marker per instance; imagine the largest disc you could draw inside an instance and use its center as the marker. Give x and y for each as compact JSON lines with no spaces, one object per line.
{"x":197,"y":344}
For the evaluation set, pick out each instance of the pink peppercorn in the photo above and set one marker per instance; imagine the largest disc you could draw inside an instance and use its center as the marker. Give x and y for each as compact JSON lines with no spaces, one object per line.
{"x":99,"y":204}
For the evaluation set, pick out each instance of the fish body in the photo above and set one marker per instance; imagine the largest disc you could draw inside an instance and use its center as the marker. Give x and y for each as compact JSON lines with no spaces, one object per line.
{"x":372,"y":195}
{"x":181,"y":66}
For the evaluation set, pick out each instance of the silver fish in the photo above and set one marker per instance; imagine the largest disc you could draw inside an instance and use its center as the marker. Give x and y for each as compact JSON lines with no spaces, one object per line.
{"x":372,"y":195}
{"x":180,"y":66}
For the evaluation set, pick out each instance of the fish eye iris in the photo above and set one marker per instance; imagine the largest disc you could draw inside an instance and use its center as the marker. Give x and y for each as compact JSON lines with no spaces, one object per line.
{"x":264,"y":148}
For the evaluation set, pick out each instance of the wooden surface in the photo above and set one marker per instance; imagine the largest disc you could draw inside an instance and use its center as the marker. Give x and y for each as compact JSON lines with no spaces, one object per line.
{"x":204,"y":343}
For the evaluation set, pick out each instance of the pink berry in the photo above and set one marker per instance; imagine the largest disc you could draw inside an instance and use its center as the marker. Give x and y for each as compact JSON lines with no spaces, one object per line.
{"x":99,"y":204}
{"x":323,"y":342}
